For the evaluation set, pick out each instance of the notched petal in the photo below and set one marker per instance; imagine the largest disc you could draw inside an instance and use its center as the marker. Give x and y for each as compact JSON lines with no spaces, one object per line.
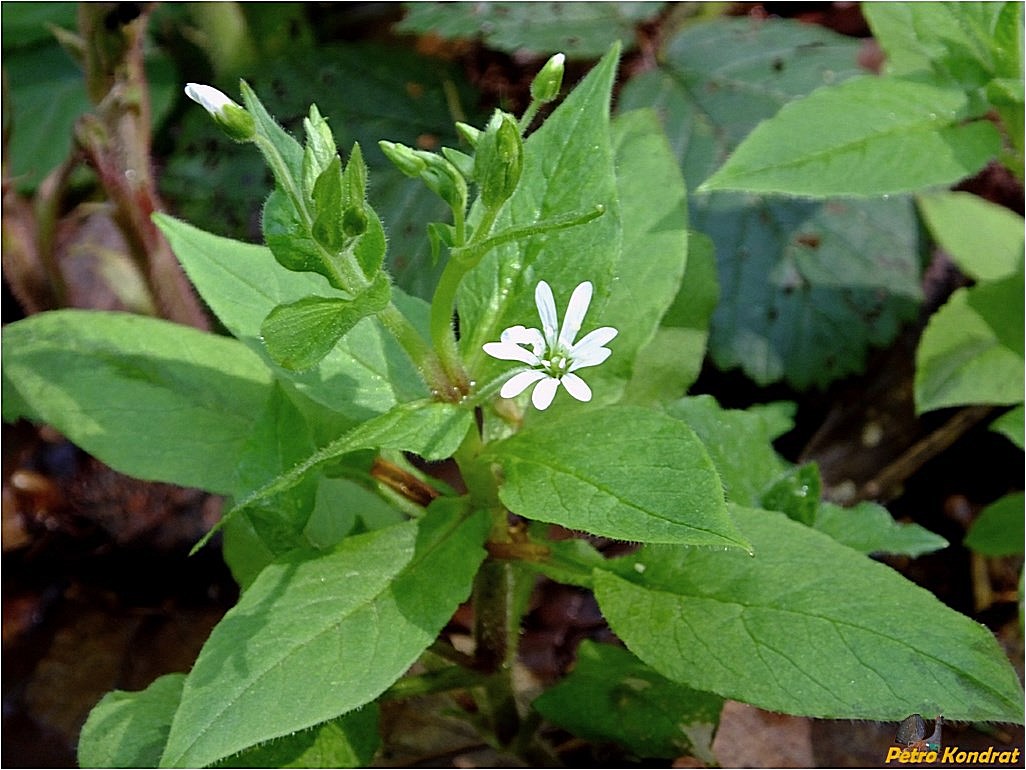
{"x":575,"y":312}
{"x":520,"y":382}
{"x":544,"y":392}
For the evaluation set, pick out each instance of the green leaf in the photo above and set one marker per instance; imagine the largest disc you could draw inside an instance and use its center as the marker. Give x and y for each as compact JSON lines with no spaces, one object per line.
{"x":869,"y":528}
{"x":152,"y":399}
{"x":808,"y":287}
{"x":959,"y":41}
{"x":432,"y":429}
{"x":796,"y":493}
{"x":366,"y":374}
{"x":854,"y":263}
{"x":300,"y":334}
{"x":1011,"y":426}
{"x":710,"y":98}
{"x":580,"y":30}
{"x":313,"y":639}
{"x":972,"y":349}
{"x":849,"y":136}
{"x":350,"y":740}
{"x":47,"y":96}
{"x":739,"y":443}
{"x":621,"y":472}
{"x":287,"y":148}
{"x":568,"y":169}
{"x":655,"y":238}
{"x":612,"y":696}
{"x":999,"y":529}
{"x":673,"y":358}
{"x":985,"y":240}
{"x":806,"y":626}
{"x":129,"y":729}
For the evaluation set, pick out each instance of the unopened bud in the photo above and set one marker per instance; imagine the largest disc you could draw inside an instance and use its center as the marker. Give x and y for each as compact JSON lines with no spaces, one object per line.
{"x":231,"y":117}
{"x":403,"y":158}
{"x":546,"y":84}
{"x":499,"y":159}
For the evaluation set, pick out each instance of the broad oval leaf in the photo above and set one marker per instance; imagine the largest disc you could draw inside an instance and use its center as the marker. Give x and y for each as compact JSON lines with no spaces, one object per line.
{"x":152,"y":399}
{"x":622,"y":472}
{"x":580,"y":30}
{"x":984,"y":239}
{"x":612,"y":696}
{"x":972,"y":349}
{"x":129,"y":729}
{"x":312,"y":639}
{"x":849,"y":135}
{"x":365,"y":374}
{"x":568,"y":169}
{"x":806,"y":627}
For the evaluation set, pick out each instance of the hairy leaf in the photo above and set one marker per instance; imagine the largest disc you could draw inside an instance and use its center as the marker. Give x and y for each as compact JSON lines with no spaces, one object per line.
{"x":129,"y":729}
{"x":580,"y":30}
{"x":805,"y":626}
{"x":315,"y":638}
{"x":612,"y":696}
{"x":972,"y":349}
{"x":849,"y":136}
{"x":152,"y":399}
{"x":622,"y":472}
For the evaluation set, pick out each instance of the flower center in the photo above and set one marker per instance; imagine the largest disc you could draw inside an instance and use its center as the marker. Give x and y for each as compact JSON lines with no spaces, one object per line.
{"x":558,"y":363}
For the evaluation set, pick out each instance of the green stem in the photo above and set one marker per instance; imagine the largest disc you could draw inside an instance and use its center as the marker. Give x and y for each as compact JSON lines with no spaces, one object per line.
{"x":496,"y":626}
{"x":419,"y":351}
{"x":525,"y":120}
{"x":445,"y":680}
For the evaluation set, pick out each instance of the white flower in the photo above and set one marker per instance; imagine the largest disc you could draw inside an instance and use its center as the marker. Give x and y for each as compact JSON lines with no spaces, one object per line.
{"x":231,"y":117}
{"x":209,"y":98}
{"x":553,"y":356}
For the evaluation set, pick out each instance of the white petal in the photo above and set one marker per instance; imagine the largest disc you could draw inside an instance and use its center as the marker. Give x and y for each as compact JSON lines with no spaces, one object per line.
{"x":520,"y":382}
{"x":576,"y":387}
{"x":507,"y":351}
{"x":208,"y":97}
{"x":546,"y":311}
{"x":594,"y":357}
{"x":544,"y":392}
{"x":521,"y":335}
{"x":575,"y":313}
{"x":590,"y":351}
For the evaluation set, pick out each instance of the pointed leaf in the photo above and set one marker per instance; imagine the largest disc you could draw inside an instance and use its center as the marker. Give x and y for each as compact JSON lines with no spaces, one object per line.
{"x":568,"y":169}
{"x":655,"y":238}
{"x":312,"y":639}
{"x":849,"y":136}
{"x":972,"y":349}
{"x":622,"y":472}
{"x":984,"y":239}
{"x":350,"y":740}
{"x":431,"y":429}
{"x":300,"y":334}
{"x":152,"y":399}
{"x":870,"y":528}
{"x":612,"y":696}
{"x":999,"y":530}
{"x":129,"y":729}
{"x":805,"y":626}
{"x":366,"y":374}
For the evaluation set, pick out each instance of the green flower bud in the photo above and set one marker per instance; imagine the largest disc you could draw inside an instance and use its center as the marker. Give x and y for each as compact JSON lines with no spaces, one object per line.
{"x":403,"y":158}
{"x":546,"y":84}
{"x":499,"y":159}
{"x":231,"y":117}
{"x":441,"y":176}
{"x":468,"y":132}
{"x":320,"y":144}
